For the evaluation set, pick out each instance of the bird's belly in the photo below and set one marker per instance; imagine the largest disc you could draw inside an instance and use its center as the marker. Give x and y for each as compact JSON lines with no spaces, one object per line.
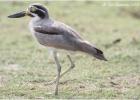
{"x":56,"y":41}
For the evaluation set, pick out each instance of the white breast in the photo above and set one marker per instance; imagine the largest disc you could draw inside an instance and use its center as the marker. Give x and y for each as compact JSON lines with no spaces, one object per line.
{"x":32,"y":23}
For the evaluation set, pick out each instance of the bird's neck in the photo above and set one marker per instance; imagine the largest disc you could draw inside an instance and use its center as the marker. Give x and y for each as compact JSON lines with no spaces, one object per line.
{"x":43,"y":15}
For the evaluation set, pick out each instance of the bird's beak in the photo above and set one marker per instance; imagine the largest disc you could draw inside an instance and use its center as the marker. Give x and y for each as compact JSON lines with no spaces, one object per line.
{"x":20,"y":14}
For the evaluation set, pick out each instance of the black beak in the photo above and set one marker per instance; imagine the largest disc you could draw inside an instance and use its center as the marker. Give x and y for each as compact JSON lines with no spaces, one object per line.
{"x":18,"y":15}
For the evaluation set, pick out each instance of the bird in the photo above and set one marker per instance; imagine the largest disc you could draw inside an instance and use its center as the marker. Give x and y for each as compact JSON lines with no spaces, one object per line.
{"x":58,"y":36}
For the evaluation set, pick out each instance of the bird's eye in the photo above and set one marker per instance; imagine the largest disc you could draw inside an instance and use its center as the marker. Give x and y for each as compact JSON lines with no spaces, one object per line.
{"x":33,"y":9}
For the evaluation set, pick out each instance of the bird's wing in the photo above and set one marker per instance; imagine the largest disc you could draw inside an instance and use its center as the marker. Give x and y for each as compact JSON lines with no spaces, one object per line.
{"x":72,"y":39}
{"x":58,"y":28}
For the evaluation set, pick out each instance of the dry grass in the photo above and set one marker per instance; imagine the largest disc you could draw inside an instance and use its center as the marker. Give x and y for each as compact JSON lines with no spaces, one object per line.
{"x":24,"y":67}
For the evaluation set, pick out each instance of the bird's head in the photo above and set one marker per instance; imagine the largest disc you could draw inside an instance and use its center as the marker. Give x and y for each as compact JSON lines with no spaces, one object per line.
{"x":34,"y":10}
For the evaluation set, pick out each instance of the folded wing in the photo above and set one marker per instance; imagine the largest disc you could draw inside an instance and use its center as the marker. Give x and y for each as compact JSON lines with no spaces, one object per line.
{"x":72,"y":39}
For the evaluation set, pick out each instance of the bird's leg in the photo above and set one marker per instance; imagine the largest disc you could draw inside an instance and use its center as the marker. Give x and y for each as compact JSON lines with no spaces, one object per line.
{"x":50,"y":57}
{"x":58,"y":71}
{"x":71,"y":67}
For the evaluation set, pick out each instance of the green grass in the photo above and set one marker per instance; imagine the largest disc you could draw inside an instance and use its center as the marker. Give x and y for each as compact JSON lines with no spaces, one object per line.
{"x":24,"y":67}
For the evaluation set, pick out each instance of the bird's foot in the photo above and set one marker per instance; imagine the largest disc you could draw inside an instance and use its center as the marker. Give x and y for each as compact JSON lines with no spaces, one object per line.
{"x":56,"y":93}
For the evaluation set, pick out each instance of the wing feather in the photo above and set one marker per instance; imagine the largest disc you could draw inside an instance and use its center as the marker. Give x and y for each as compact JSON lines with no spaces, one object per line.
{"x":58,"y":28}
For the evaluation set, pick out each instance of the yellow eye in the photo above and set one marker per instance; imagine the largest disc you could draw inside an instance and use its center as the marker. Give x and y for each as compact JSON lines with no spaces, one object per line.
{"x":33,"y":9}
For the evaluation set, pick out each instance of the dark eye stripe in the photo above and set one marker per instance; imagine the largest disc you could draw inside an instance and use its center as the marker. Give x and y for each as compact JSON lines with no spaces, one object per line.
{"x":40,"y":13}
{"x":40,"y":7}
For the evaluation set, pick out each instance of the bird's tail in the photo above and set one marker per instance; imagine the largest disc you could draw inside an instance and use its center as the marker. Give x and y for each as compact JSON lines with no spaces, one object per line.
{"x":91,"y":50}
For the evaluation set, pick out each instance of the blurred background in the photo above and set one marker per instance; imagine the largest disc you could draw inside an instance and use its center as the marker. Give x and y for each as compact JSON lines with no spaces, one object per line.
{"x":114,"y":27}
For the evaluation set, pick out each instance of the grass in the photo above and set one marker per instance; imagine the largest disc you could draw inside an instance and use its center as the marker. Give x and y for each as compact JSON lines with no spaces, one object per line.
{"x":24,"y":67}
